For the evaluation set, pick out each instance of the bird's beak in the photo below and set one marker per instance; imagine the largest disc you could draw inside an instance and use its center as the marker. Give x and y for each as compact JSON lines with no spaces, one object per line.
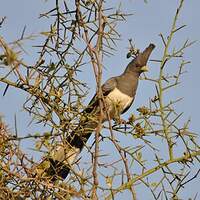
{"x":145,"y":68}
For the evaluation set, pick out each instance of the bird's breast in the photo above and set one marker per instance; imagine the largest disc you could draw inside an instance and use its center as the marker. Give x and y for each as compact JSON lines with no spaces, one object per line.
{"x":117,"y":102}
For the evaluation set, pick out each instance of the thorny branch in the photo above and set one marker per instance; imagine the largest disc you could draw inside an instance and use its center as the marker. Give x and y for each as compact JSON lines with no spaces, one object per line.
{"x":82,"y":33}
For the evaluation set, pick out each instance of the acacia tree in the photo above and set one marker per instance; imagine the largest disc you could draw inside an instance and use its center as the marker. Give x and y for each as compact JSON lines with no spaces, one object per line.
{"x":83,"y":33}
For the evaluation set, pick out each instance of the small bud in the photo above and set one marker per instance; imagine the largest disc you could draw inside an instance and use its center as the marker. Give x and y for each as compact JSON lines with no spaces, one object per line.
{"x":109,"y":181}
{"x":143,"y":110}
{"x":131,"y":119}
{"x":139,"y":130}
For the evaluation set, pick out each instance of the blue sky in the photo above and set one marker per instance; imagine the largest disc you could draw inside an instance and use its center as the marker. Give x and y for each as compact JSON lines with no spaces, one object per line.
{"x":148,"y":21}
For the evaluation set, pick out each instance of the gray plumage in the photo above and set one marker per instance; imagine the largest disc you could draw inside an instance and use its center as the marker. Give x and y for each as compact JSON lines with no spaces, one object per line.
{"x":119,"y":93}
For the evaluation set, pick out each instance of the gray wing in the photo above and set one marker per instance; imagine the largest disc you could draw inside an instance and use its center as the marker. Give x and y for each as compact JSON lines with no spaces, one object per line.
{"x":107,"y":87}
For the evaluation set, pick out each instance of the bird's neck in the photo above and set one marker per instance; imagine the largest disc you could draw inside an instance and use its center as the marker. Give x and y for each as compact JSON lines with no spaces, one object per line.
{"x":131,"y":73}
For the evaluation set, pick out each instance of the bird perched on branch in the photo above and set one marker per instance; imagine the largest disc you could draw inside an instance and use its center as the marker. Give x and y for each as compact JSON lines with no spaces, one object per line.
{"x":118,"y":95}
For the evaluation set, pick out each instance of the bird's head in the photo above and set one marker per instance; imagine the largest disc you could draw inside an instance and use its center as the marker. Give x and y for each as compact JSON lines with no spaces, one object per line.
{"x":139,"y":63}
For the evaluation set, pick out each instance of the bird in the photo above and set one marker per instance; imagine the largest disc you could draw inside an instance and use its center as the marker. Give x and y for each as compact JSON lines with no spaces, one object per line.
{"x":118,"y":95}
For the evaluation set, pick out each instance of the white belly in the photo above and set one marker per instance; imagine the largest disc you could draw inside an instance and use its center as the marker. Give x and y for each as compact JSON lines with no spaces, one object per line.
{"x":117,"y":102}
